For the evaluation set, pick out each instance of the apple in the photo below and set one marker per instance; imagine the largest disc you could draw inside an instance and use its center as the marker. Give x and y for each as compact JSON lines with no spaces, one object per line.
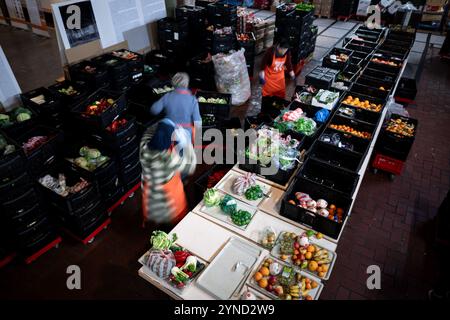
{"x":294,"y":257}
{"x":279,"y":290}
{"x":269,"y":288}
{"x":302,"y":257}
{"x":272,"y":280}
{"x":296,"y":245}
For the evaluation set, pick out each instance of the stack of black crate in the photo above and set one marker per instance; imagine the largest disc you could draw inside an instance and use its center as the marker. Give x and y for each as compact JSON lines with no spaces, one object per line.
{"x":201,"y":72}
{"x":220,"y":16}
{"x":117,"y":70}
{"x":196,"y":20}
{"x":97,"y":130}
{"x":25,"y":222}
{"x":344,"y":8}
{"x":80,"y":213}
{"x":249,"y":47}
{"x":173,"y":39}
{"x":297,"y":28}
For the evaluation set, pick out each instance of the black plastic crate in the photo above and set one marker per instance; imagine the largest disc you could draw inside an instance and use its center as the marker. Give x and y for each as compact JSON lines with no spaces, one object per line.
{"x":272,"y":106}
{"x":72,"y":203}
{"x":128,"y":147}
{"x":12,"y":189}
{"x":50,"y":104}
{"x":34,"y":231}
{"x":248,"y":45}
{"x":395,"y":69}
{"x":114,"y":139}
{"x":364,"y":43}
{"x":15,"y":128}
{"x":354,"y":124}
{"x":111,"y":188}
{"x":129,"y":174}
{"x":81,"y":91}
{"x":24,"y":218}
{"x":117,"y":68}
{"x":359,"y":114}
{"x":380,"y":95}
{"x":335,"y":64}
{"x":106,"y":117}
{"x":207,"y":179}
{"x":395,"y":145}
{"x":345,"y":141}
{"x":172,"y":25}
{"x":407,"y":89}
{"x":127,"y":161}
{"x":94,"y":75}
{"x":220,"y":111}
{"x":374,"y":83}
{"x":13,"y":163}
{"x":255,"y":121}
{"x":336,"y":157}
{"x":330,"y":177}
{"x":387,"y":77}
{"x":102,"y":173}
{"x":26,"y":200}
{"x":44,"y":155}
{"x":135,"y":61}
{"x":321,"y":77}
{"x":40,"y":241}
{"x":319,"y":223}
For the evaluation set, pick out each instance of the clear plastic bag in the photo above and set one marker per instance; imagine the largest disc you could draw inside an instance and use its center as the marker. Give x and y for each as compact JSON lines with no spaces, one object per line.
{"x":232,"y":76}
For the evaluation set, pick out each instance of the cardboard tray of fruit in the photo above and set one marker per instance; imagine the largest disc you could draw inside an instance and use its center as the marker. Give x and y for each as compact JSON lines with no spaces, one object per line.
{"x":301,"y":252}
{"x":280,"y":281}
{"x":226,"y":208}
{"x":246,"y":188}
{"x":191,"y":267}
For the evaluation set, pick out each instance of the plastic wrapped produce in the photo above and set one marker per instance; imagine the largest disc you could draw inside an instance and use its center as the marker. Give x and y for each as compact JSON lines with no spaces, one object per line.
{"x":161,"y":262}
{"x":232,"y":76}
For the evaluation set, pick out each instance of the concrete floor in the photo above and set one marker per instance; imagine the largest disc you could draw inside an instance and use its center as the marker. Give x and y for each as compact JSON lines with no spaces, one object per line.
{"x":34,"y":59}
{"x":391,"y":224}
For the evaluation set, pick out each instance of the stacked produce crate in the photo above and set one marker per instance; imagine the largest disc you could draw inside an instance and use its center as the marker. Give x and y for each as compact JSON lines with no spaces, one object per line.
{"x":323,"y":8}
{"x":103,"y":161}
{"x":73,"y":199}
{"x":296,"y":23}
{"x":173,"y":39}
{"x":259,"y":30}
{"x":248,"y":42}
{"x":196,"y":19}
{"x":222,"y":15}
{"x":25,"y":222}
{"x":201,"y":72}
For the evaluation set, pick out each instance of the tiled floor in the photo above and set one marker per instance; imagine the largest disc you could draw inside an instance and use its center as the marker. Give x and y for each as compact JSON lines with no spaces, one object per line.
{"x":390,"y":225}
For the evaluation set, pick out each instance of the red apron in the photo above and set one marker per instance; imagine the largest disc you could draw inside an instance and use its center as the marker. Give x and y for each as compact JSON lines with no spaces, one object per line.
{"x":275,"y":85}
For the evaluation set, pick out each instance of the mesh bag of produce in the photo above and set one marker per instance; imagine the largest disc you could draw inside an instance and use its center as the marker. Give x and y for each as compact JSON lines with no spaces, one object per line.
{"x":161,"y":262}
{"x":232,"y":76}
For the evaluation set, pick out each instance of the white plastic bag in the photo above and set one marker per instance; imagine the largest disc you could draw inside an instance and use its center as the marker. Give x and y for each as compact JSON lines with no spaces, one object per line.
{"x":232,"y":76}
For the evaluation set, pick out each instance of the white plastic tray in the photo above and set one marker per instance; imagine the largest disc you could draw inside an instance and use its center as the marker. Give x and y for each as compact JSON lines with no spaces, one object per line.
{"x":221,"y":279}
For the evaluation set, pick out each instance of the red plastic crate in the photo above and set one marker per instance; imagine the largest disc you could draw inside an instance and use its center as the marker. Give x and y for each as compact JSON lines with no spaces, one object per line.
{"x":388,"y":164}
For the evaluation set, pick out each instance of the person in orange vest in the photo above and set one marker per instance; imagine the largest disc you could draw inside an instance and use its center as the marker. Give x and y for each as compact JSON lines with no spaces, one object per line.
{"x":276,"y":61}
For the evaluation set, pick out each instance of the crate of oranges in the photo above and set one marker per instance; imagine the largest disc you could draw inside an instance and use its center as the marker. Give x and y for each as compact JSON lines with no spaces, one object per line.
{"x":362,"y":103}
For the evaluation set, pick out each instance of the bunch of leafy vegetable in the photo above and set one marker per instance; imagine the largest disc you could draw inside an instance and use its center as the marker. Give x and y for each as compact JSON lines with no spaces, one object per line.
{"x":305,"y":126}
{"x":162,"y":241}
{"x":211,"y":198}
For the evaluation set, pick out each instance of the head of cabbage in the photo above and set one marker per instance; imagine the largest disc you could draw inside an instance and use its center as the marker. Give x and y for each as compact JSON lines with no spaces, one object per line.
{"x":211,"y":198}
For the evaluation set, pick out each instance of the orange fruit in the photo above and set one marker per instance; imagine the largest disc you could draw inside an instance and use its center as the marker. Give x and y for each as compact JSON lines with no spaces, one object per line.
{"x":325,"y":268}
{"x":308,"y":255}
{"x":312,"y":266}
{"x":308,"y":297}
{"x":258,"y":276}
{"x":264,"y":271}
{"x":311,"y":248}
{"x":314,"y":284}
{"x":263,"y":283}
{"x":321,"y":274}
